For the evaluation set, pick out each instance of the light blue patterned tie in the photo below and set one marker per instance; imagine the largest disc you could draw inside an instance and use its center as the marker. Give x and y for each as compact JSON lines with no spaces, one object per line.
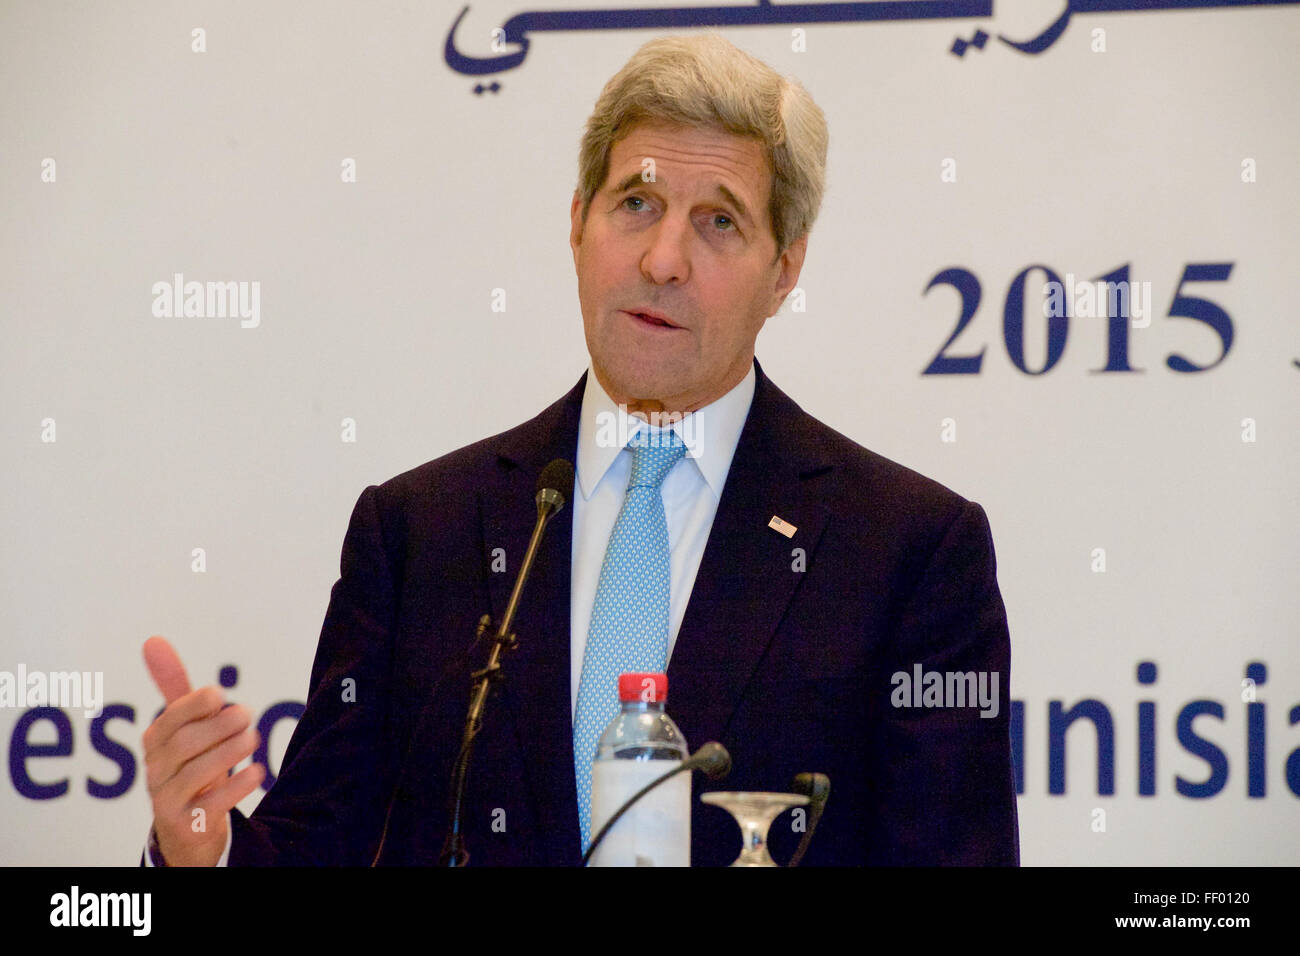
{"x":629,"y":618}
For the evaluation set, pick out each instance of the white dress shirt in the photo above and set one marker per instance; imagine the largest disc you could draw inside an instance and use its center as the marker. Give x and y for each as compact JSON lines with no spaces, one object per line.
{"x":691,"y":492}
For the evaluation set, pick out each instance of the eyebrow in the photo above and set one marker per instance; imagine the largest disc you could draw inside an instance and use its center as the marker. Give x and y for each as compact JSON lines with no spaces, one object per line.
{"x":634,"y":181}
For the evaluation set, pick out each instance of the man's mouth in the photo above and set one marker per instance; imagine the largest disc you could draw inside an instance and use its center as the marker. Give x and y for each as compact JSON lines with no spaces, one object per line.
{"x":653,"y":318}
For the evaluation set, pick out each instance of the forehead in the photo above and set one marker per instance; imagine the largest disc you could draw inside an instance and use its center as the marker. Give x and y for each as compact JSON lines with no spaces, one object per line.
{"x":696,"y":157}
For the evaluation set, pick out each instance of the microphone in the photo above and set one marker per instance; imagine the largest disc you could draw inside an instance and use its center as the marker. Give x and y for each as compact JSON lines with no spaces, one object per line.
{"x":817,"y":788}
{"x":554,"y":486}
{"x":712,"y":759}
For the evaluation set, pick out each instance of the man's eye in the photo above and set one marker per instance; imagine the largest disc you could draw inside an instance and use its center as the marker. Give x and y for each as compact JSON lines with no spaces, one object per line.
{"x":729,"y":227}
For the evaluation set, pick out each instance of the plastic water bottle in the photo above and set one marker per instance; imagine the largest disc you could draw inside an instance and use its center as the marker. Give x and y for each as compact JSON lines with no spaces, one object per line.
{"x":640,"y":745}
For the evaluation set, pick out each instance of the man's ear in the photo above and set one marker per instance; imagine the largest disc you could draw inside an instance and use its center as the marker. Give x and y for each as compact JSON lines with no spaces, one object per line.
{"x":575,"y":226}
{"x":791,"y":263}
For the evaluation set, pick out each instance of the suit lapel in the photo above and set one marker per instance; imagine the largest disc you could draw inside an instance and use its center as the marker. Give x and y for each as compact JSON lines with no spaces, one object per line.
{"x":749,"y":572}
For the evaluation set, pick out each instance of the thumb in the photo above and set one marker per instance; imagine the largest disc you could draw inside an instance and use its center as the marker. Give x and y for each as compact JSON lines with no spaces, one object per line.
{"x":166,"y":669}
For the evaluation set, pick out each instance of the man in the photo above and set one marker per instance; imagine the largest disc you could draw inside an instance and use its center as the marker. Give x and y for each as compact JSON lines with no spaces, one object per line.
{"x":785,"y":575}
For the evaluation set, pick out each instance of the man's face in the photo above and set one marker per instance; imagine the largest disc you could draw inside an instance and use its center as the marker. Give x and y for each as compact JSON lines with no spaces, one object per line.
{"x":694,"y":246}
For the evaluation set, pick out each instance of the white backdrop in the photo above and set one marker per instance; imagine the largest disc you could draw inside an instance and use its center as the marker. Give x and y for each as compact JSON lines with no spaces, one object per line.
{"x":1167,"y":139}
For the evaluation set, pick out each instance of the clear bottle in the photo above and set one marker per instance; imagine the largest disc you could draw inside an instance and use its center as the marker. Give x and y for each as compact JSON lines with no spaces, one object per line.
{"x":639,"y":746}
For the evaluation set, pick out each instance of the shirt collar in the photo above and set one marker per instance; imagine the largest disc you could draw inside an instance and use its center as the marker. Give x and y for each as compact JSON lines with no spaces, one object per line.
{"x":710,"y":433}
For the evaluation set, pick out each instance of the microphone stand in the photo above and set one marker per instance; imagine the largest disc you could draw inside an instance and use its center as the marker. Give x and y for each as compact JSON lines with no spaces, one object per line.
{"x":453,"y":849}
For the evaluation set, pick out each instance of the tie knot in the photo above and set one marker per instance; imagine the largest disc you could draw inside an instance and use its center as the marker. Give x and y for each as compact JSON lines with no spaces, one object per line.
{"x":653,"y":455}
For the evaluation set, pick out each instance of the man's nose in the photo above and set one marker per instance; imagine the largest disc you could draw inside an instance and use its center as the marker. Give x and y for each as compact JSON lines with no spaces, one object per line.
{"x":667,"y":255}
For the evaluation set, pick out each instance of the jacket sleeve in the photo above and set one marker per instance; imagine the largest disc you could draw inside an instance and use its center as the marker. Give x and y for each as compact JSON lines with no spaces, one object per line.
{"x":941,"y":776}
{"x":327,"y":805}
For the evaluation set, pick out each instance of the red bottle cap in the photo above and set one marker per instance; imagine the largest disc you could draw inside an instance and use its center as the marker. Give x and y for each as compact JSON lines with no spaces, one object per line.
{"x":647,"y":687}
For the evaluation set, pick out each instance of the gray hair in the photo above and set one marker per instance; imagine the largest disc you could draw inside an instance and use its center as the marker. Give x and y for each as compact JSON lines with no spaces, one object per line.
{"x":703,"y":81}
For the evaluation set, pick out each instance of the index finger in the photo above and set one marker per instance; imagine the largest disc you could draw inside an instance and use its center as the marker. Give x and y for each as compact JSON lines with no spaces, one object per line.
{"x":166,"y":669}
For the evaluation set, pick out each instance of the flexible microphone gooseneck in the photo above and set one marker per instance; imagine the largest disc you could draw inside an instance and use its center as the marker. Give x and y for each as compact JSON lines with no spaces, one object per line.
{"x":712,"y":758}
{"x":554,"y":486}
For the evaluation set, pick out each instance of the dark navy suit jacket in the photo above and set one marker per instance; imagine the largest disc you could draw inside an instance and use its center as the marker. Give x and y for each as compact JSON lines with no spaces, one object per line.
{"x":785,"y":655}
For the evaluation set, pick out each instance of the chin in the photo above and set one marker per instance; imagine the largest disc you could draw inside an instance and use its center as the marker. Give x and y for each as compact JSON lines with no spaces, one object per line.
{"x":641,"y":380}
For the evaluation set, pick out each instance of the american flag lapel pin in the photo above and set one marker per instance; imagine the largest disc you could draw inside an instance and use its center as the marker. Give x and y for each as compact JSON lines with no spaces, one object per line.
{"x":784,"y":527}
